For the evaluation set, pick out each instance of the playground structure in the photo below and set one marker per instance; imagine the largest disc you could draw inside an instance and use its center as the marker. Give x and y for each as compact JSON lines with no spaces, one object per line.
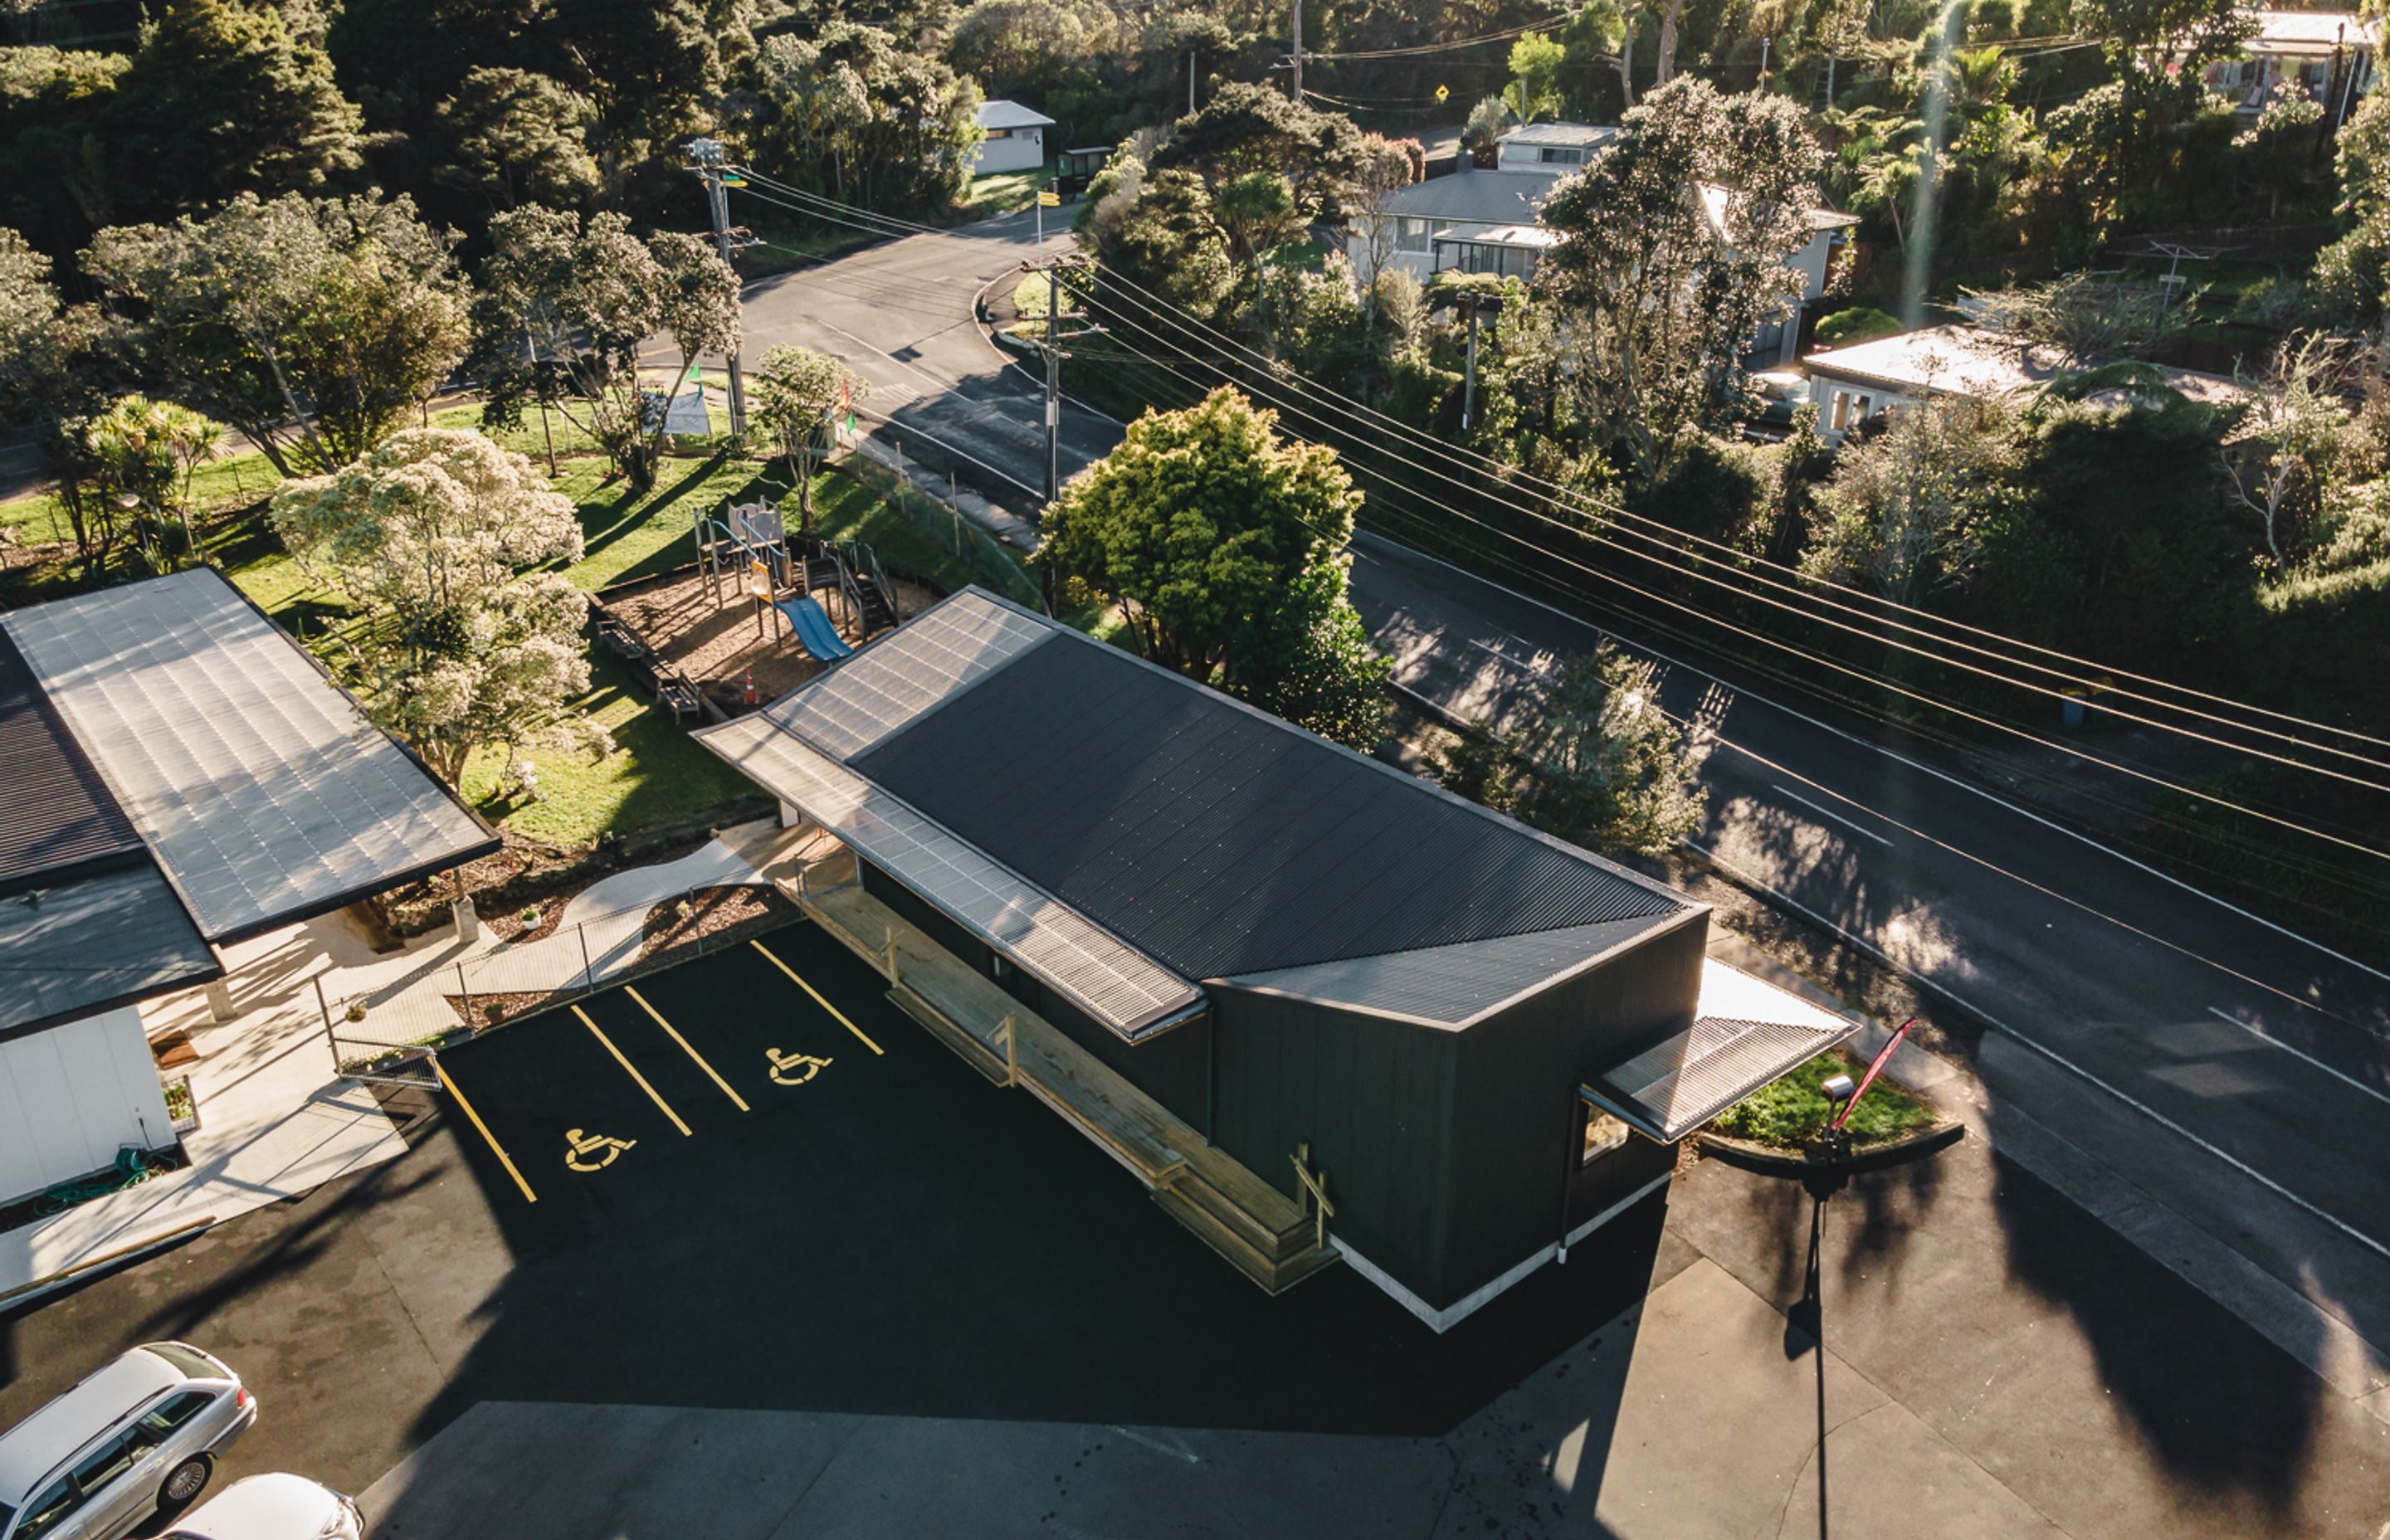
{"x":833,"y":594}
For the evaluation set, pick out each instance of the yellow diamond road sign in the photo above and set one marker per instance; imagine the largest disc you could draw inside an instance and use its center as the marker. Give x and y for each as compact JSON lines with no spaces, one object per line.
{"x":1442,"y":91}
{"x":1052,"y":199}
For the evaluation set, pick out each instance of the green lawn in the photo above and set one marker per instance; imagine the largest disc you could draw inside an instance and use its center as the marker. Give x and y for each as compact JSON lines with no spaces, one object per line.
{"x":1794,"y":1109}
{"x":1004,"y":192}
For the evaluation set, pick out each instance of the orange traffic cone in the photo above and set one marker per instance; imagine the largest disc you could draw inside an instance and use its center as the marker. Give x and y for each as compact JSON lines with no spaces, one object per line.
{"x":750,"y":684}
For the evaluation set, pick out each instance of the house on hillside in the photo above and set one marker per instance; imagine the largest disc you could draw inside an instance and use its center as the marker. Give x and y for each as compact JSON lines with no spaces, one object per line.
{"x":1012,"y":137}
{"x":1850,"y":385}
{"x":1553,"y":149}
{"x":1323,"y":1011}
{"x":2330,"y":54}
{"x":177,"y":774}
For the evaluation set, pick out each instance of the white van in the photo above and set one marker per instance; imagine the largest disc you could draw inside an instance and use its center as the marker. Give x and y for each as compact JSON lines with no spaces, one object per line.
{"x":141,"y":1435}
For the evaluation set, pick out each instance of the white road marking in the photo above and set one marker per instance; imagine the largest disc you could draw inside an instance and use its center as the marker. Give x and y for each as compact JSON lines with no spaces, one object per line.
{"x":2054,"y":1057}
{"x":1900,"y":759}
{"x":1178,"y":1452}
{"x":1828,"y":812}
{"x":2222,"y":1015}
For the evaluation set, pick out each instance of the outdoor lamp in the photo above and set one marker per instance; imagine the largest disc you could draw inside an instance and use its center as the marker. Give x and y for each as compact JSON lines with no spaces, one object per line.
{"x":1838,"y":1089}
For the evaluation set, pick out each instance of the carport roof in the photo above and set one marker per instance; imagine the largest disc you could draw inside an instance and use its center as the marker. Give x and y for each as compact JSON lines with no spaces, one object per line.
{"x":91,"y":942}
{"x":1746,"y":1033}
{"x":60,"y":816}
{"x":1205,"y":839}
{"x":259,"y":785}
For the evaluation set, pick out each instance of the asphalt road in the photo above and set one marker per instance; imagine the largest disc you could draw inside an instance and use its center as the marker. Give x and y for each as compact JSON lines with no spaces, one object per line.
{"x":2215,"y":1062}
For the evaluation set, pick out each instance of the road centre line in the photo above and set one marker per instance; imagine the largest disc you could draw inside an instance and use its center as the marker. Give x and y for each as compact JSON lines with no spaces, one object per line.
{"x":2222,"y":1015}
{"x":641,"y":1000}
{"x":816,"y":994}
{"x":1825,"y":813}
{"x":633,"y":1070}
{"x":491,"y":1139}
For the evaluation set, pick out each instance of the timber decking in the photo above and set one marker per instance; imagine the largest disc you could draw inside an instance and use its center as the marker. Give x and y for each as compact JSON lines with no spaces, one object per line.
{"x":1269,"y":1237}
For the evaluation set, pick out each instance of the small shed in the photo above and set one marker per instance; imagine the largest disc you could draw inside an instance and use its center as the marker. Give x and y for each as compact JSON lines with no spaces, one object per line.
{"x":1012,"y":137}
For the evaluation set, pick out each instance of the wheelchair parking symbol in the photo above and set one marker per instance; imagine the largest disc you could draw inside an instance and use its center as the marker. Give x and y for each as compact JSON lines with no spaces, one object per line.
{"x":793,"y":1068}
{"x":586,"y":1153}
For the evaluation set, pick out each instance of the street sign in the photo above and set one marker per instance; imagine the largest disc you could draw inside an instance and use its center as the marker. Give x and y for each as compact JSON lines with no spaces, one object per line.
{"x":1441,"y":93}
{"x":1049,"y":199}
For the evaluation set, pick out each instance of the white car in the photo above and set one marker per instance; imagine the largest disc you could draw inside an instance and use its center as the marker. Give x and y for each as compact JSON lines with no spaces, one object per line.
{"x":273,"y":1508}
{"x":139,"y":1435}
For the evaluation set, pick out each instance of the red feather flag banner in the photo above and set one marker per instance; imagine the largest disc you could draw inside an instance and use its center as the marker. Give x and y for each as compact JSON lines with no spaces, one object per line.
{"x":1873,"y":1069}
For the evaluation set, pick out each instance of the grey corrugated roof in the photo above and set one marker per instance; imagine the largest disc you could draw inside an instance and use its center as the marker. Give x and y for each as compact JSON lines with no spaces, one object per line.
{"x":1451,"y":987}
{"x":1560,"y":134}
{"x":1475,"y":197}
{"x":1111,"y":981}
{"x":1001,"y":114}
{"x":259,"y":785}
{"x":93,"y":942}
{"x":58,"y":812}
{"x":1217,"y":839}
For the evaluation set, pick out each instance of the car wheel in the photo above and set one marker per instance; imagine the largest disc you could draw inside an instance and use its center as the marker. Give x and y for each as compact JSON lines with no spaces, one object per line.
{"x":183,"y":1483}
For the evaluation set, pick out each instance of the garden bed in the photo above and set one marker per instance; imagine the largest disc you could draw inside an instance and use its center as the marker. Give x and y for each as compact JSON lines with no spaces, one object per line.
{"x":707,"y":913}
{"x":1791,"y":1114}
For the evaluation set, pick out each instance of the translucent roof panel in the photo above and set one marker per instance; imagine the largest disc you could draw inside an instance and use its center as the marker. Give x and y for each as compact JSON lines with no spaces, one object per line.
{"x":1111,"y":981}
{"x":1674,"y":1088}
{"x":906,"y":674}
{"x":259,"y":785}
{"x":1453,"y":987}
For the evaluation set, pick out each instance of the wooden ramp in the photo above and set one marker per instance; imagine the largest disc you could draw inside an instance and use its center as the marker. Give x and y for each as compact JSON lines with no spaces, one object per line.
{"x":1270,"y":1238}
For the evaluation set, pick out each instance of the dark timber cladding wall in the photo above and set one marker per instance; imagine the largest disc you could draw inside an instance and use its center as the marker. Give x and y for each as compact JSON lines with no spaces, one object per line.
{"x":1514,"y":1116}
{"x":1175,"y":1068}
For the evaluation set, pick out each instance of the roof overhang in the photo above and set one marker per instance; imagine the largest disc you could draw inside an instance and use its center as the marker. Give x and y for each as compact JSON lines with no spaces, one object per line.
{"x":1118,"y":986}
{"x":1671,"y":1089}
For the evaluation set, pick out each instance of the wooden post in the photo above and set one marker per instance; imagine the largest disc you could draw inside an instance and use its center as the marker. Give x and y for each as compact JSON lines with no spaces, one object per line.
{"x":464,"y":993}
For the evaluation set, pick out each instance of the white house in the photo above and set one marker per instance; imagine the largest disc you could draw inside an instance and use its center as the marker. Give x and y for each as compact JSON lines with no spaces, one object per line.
{"x":1012,"y":137}
{"x":177,"y":774}
{"x":1553,"y":149}
{"x":2331,"y":54}
{"x":1866,"y":379}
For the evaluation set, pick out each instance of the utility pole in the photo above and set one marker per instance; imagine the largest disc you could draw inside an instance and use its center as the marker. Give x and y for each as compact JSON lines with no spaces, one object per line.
{"x":1298,"y":50}
{"x":707,"y":153}
{"x":1469,"y":377}
{"x":1766,"y":44}
{"x":1190,"y":82}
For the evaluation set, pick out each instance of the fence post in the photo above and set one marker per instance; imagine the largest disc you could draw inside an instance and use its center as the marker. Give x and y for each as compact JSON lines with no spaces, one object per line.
{"x":588,"y":974}
{"x":332,"y":1040}
{"x":464,"y":993}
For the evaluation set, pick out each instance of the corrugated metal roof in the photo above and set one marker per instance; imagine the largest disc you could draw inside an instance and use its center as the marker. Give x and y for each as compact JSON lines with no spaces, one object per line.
{"x":1748,"y":1033}
{"x":1001,"y":114}
{"x":59,"y":815}
{"x":90,"y":942}
{"x":259,"y":785}
{"x":1474,"y":197}
{"x":1451,"y":987}
{"x":1219,"y":840}
{"x":1112,"y":982}
{"x":908,"y":672}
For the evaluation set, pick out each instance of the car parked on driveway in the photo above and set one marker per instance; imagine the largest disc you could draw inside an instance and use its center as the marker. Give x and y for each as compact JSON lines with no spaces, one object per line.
{"x":141,"y":1435}
{"x":273,"y":1508}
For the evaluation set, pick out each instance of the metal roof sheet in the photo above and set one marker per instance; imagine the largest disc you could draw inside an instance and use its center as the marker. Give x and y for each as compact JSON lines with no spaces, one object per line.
{"x":1111,"y":981}
{"x":258,"y":783}
{"x":1504,"y":197}
{"x":59,"y":815}
{"x":1219,"y":840}
{"x":1674,"y":1088}
{"x":93,"y":942}
{"x":1455,"y":985}
{"x":1002,"y":113}
{"x":908,"y":672}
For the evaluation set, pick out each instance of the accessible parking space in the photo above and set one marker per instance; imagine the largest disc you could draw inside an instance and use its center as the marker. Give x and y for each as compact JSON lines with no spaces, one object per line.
{"x":644,"y":1078}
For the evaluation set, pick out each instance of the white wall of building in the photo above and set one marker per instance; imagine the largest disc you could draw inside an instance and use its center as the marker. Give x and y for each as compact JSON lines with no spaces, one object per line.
{"x":71,"y":1096}
{"x":1011,"y":149}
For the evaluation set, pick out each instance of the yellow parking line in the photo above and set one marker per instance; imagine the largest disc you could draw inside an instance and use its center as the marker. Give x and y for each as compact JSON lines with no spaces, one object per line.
{"x":633,"y":1070}
{"x":641,"y":999}
{"x":817,"y":996}
{"x":495,"y":1148}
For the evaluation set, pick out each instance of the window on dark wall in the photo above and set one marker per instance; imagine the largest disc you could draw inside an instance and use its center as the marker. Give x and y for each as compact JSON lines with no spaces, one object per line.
{"x":1602,"y":1134}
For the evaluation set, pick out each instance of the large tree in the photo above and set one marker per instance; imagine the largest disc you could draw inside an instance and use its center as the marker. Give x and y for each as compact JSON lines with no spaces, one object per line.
{"x":1680,"y":240}
{"x":314,"y":326}
{"x":56,"y":372}
{"x":1907,"y":511}
{"x":563,"y":308}
{"x":433,"y":534}
{"x":1223,"y":547}
{"x":858,"y":114}
{"x":516,"y":137}
{"x":1250,"y":128}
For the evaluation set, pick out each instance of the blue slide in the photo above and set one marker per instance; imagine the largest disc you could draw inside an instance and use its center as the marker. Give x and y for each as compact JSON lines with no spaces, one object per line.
{"x":814,"y":633}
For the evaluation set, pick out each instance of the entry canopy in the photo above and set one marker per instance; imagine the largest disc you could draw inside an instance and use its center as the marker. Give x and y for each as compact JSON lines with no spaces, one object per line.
{"x":257,"y":783}
{"x":1746,"y":1033}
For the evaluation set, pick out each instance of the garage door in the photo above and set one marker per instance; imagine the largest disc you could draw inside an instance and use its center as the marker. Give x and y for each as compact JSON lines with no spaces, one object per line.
{"x":72,"y":1095}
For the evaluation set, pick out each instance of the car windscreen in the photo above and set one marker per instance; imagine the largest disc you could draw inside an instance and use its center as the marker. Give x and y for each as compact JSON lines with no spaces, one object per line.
{"x":195,"y":1364}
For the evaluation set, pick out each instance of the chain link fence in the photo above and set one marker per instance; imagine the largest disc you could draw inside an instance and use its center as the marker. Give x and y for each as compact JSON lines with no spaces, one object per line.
{"x":883,"y":471}
{"x":391,"y":1030}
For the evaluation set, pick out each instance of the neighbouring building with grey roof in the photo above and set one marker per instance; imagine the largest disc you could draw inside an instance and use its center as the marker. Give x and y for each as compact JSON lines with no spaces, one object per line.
{"x":178,"y":775}
{"x":1324,"y":1009}
{"x":1012,"y":137}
